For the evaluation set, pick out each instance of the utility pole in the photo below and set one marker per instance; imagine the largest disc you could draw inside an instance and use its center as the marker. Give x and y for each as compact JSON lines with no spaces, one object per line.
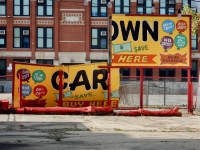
{"x":109,"y":40}
{"x":109,"y":57}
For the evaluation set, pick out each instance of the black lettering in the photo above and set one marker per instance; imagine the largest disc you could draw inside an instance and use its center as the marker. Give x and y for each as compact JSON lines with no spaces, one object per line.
{"x":65,"y":77}
{"x":76,"y":81}
{"x":134,"y":32}
{"x":116,"y":31}
{"x":102,"y":81}
{"x":146,"y":27}
{"x":54,"y":83}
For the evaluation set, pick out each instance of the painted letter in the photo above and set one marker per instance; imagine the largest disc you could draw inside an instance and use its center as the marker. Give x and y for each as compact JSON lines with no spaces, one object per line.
{"x":76,"y":81}
{"x":116,"y":30}
{"x":134,"y":32}
{"x":146,"y":27}
{"x":54,"y":83}
{"x":102,"y":81}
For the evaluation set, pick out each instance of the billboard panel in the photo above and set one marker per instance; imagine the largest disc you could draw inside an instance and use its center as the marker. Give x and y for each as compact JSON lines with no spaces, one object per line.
{"x":83,"y":85}
{"x":151,"y":41}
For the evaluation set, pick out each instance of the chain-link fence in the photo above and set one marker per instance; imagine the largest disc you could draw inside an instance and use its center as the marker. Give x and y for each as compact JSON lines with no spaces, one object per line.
{"x":6,"y":84}
{"x":167,"y":91}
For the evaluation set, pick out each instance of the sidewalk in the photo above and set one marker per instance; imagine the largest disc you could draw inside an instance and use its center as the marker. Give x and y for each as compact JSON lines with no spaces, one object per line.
{"x":186,"y":123}
{"x":81,"y":132}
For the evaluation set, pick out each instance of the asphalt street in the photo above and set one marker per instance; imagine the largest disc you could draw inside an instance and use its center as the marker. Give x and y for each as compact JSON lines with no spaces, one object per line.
{"x":65,"y":132}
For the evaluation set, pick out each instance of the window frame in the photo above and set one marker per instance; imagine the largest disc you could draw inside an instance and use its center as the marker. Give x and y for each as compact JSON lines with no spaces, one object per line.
{"x":121,"y":6}
{"x":44,"y":61}
{"x":167,"y":7}
{"x":193,"y":72}
{"x":3,"y":4}
{"x":45,"y":5}
{"x":45,"y":37}
{"x":189,"y":2}
{"x":125,"y":72}
{"x":21,"y":36}
{"x":3,"y":71}
{"x":144,"y":7}
{"x":3,"y":36}
{"x":99,"y":37}
{"x":146,"y":72}
{"x":167,"y":72}
{"x":193,"y":38}
{"x":98,"y":6}
{"x":21,"y":5}
{"x":22,"y":60}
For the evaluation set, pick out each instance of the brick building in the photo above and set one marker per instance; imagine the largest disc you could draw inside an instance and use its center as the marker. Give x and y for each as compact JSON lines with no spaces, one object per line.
{"x":69,"y":32}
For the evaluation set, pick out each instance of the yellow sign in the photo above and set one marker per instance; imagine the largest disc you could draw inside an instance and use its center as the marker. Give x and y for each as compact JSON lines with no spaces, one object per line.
{"x":147,"y":40}
{"x":83,"y":85}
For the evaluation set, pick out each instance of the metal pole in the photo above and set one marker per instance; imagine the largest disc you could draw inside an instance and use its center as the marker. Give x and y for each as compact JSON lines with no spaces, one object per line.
{"x":109,"y":57}
{"x":109,"y":101}
{"x":191,"y":105}
{"x":60,"y":88}
{"x":141,"y":88}
{"x":109,"y":41}
{"x":147,"y":93}
{"x":189,"y":91}
{"x":20,"y":88}
{"x":164,"y":91}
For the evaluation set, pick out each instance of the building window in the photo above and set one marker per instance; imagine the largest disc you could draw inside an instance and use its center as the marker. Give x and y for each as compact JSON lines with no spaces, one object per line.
{"x":2,"y":37}
{"x":45,"y":8}
{"x":21,"y":7}
{"x":44,"y":61}
{"x":194,"y":72}
{"x":167,"y":72}
{"x":3,"y":8}
{"x":122,"y":7}
{"x":190,"y":3}
{"x":99,"y":38}
{"x":144,"y":7}
{"x":2,"y":67}
{"x":22,"y":60}
{"x":125,"y":71}
{"x":195,"y":42}
{"x":193,"y":7}
{"x":22,"y":37}
{"x":44,"y":37}
{"x":167,"y":7}
{"x":148,"y":72}
{"x":99,"y":8}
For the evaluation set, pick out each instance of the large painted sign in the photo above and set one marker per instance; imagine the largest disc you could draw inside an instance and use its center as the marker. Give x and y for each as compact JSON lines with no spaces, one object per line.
{"x":83,"y":85}
{"x":151,"y":40}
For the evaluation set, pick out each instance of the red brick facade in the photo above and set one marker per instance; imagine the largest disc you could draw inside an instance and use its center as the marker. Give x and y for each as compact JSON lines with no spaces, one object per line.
{"x":71,"y":40}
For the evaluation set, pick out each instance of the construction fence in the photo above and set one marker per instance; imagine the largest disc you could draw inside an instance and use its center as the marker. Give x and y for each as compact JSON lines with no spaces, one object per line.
{"x":166,"y":91}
